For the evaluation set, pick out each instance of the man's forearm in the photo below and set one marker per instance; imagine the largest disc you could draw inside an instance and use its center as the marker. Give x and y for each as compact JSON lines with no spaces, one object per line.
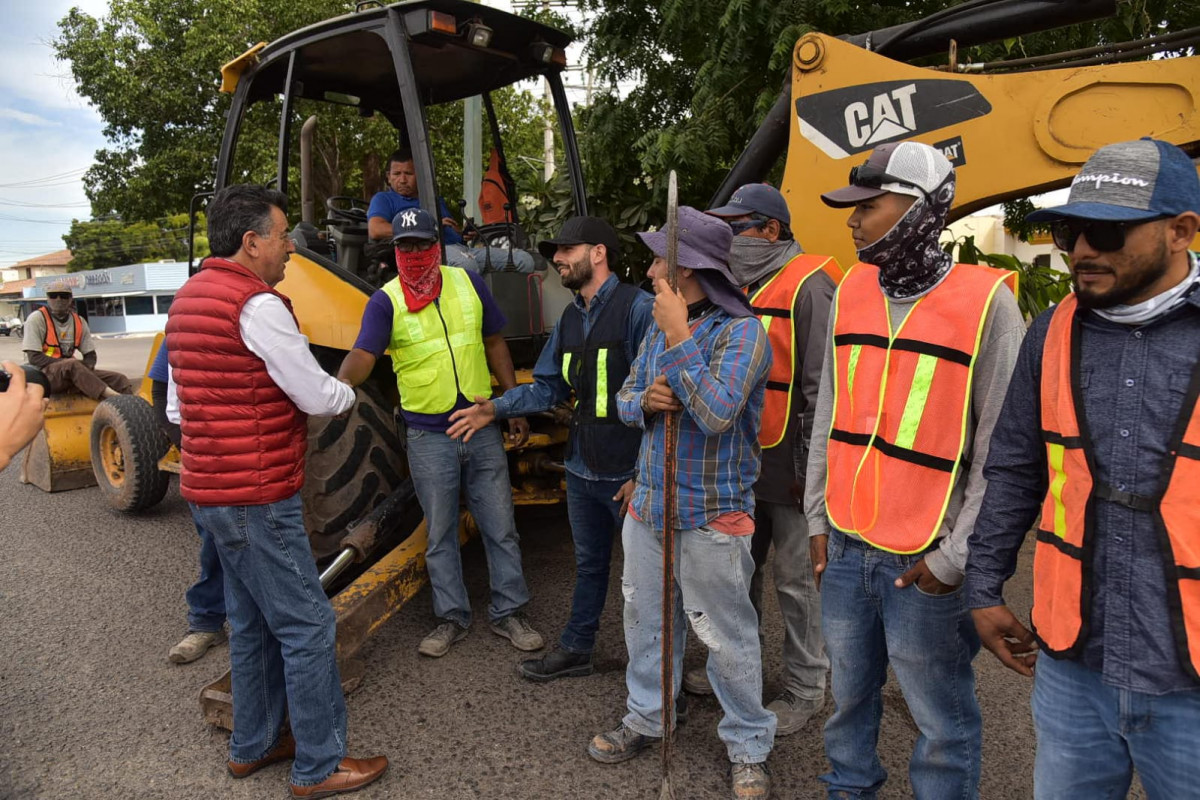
{"x":356,"y":367}
{"x":379,"y":228}
{"x":89,"y":359}
{"x":499,"y":361}
{"x":39,"y":360}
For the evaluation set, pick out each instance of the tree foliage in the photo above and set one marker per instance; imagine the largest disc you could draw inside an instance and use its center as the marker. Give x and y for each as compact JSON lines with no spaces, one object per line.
{"x":113,"y":243}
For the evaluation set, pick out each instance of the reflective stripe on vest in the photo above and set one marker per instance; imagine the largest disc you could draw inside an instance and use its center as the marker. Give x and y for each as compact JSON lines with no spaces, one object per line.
{"x":437,"y":352}
{"x":602,"y":383}
{"x":50,"y":343}
{"x":1062,"y":563}
{"x":774,"y":303}
{"x":901,"y":404}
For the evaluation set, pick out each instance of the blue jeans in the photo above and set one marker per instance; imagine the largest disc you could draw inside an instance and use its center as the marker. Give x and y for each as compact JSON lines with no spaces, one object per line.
{"x":930,"y":642}
{"x":206,"y":597}
{"x":1091,"y":737}
{"x":281,"y":647}
{"x":594,"y":517}
{"x":712,"y":578}
{"x":441,"y":467}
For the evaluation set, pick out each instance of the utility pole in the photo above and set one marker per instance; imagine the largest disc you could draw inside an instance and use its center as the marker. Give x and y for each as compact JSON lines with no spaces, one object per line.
{"x":548,"y":134}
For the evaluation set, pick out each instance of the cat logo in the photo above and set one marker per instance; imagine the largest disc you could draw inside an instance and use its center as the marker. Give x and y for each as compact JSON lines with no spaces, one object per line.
{"x":408,"y":219}
{"x":842,"y":122}
{"x":889,"y":116}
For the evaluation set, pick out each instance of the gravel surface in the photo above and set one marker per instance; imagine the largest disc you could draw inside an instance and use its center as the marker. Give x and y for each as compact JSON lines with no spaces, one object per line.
{"x":89,"y":705}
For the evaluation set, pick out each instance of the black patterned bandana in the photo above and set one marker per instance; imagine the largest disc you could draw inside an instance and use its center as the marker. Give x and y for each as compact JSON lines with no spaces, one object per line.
{"x":909,"y":258}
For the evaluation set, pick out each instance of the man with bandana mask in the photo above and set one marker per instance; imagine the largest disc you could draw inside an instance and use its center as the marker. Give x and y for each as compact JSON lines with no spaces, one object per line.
{"x":589,"y":354}
{"x":918,"y":357}
{"x":54,"y":334}
{"x":1101,"y":433}
{"x":442,"y":329}
{"x":791,"y":293}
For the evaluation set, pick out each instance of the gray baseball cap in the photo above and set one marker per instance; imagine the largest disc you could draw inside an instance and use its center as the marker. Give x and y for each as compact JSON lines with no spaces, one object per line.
{"x":1130,"y":181}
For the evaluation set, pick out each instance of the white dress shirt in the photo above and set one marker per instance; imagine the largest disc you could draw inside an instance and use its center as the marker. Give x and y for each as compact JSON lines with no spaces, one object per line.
{"x":269,"y":332}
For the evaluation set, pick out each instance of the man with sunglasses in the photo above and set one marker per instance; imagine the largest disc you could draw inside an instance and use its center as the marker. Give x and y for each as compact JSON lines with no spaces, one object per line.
{"x":791,"y":293}
{"x":54,"y":334}
{"x":916,"y":364}
{"x":1101,"y":432}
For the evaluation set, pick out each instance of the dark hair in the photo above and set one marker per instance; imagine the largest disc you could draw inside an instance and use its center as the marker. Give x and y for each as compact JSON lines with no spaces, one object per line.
{"x":237,"y":209}
{"x":785,"y":231}
{"x":401,"y":155}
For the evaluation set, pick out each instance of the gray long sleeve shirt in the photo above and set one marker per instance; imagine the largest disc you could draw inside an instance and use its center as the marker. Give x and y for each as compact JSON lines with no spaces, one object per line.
{"x":1002,"y":333}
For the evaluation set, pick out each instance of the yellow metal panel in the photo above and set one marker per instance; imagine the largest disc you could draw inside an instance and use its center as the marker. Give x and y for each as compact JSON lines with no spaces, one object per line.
{"x":1041,"y":128}
{"x":328,"y":308}
{"x":231,"y":73}
{"x":59,"y":458}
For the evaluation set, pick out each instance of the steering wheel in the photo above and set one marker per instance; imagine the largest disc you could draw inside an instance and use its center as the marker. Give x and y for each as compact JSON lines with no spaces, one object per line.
{"x":354,"y":212}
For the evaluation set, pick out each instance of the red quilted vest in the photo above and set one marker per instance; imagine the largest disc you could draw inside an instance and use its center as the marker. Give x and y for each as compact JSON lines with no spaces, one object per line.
{"x":243,"y":438}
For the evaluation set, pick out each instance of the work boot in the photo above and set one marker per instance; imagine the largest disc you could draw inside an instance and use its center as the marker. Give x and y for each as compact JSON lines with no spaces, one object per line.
{"x":437,"y":643}
{"x":558,"y":663}
{"x":750,"y":780}
{"x":351,"y":775}
{"x":793,"y":712}
{"x":619,"y":745}
{"x":517,"y":630}
{"x":194,"y":645}
{"x":695,"y":681}
{"x":284,"y":749}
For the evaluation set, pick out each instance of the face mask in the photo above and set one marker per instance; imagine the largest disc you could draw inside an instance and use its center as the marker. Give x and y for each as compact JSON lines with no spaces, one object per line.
{"x":910,"y":260}
{"x":751,"y":259}
{"x":420,"y":276}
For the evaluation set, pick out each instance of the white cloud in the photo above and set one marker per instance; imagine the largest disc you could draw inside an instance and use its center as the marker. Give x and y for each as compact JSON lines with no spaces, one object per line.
{"x":28,"y":119}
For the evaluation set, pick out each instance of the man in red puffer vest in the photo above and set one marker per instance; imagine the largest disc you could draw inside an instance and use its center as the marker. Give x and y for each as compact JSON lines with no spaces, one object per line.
{"x":242,"y":382}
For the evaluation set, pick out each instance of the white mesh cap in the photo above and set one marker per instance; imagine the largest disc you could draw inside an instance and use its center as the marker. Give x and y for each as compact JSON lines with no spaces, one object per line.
{"x":917,"y":165}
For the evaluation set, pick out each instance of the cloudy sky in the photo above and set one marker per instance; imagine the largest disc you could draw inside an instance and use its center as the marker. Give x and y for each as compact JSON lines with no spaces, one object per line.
{"x":48,"y":134}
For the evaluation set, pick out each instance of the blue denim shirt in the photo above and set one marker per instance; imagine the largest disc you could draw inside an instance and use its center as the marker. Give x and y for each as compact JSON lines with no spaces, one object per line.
{"x":1133,"y":382}
{"x":549,"y":389}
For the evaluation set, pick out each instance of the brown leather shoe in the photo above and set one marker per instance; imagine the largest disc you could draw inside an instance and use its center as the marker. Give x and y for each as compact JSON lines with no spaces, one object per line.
{"x":350,"y":776}
{"x":283,"y":750}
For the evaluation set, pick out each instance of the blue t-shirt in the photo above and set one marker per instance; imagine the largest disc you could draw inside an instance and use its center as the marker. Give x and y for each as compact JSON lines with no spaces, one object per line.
{"x":388,"y":204}
{"x":376,"y":334}
{"x":158,"y":370}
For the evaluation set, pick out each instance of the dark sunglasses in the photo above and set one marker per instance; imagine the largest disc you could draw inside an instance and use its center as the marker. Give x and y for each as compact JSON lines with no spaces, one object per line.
{"x":873,"y":176}
{"x":58,"y":295}
{"x":741,"y":226}
{"x":1103,"y":235}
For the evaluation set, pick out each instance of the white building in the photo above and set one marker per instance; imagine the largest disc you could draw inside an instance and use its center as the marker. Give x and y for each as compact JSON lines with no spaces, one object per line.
{"x":127,"y":299}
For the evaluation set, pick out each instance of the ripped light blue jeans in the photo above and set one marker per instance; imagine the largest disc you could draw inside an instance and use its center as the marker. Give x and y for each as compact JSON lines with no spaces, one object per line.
{"x":712,"y":578}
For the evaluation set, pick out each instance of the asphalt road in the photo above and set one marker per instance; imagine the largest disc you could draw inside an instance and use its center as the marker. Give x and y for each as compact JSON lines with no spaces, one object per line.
{"x":91,"y":600}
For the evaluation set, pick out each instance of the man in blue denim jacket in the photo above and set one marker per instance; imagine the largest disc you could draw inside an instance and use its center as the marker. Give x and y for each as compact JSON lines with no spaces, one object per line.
{"x":1116,"y":689}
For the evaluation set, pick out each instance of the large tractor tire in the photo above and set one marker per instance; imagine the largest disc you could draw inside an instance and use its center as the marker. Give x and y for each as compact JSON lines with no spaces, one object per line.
{"x":353,"y":464}
{"x":127,"y":443}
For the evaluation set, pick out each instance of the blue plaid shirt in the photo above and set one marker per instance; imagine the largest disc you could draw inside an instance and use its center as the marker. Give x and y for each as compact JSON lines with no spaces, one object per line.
{"x":720,"y":377}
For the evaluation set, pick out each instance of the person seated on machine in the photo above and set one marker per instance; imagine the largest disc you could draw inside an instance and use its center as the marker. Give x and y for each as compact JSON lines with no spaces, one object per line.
{"x":402,"y":195}
{"x":54,"y":334}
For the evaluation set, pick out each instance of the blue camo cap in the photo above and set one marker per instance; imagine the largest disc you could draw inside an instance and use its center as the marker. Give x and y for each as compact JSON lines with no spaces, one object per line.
{"x":755,"y":198}
{"x":414,"y":223}
{"x":1128,"y":182}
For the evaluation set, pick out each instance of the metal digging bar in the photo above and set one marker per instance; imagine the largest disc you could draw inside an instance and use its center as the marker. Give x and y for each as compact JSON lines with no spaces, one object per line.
{"x":669,"y":489}
{"x":367,"y":603}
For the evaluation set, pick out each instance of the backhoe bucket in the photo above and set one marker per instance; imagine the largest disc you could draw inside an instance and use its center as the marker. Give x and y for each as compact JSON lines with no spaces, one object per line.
{"x":59,"y":458}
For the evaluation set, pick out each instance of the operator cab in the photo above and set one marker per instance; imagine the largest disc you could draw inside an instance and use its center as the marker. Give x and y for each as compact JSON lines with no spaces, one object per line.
{"x":396,"y":77}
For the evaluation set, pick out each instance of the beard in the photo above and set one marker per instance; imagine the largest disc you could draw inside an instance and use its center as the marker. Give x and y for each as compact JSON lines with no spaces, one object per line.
{"x":577,"y":273}
{"x":1138,"y":275}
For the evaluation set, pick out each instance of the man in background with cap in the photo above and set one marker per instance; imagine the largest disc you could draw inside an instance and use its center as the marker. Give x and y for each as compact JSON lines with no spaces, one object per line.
{"x":53,"y":334}
{"x":1101,"y":433}
{"x":442,"y":328}
{"x":589,"y":354}
{"x":706,"y":362}
{"x":919,"y":354}
{"x":791,"y":294}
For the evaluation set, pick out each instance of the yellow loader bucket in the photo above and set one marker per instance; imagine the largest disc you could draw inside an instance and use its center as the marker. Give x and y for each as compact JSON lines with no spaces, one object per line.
{"x":59,"y":458}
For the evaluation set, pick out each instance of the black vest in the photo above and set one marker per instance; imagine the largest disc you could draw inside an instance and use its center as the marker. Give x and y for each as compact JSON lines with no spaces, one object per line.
{"x":596,"y":368}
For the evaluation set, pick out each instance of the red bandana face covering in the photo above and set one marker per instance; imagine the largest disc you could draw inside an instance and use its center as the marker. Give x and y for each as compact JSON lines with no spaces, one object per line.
{"x":420,"y":276}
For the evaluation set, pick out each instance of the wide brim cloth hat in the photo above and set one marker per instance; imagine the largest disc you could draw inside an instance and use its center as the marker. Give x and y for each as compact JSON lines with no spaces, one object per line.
{"x":704,"y":242}
{"x":583,"y":230}
{"x":1130,"y":182}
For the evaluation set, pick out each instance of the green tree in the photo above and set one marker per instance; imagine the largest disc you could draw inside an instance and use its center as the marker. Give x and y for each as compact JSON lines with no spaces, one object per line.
{"x":113,"y":243}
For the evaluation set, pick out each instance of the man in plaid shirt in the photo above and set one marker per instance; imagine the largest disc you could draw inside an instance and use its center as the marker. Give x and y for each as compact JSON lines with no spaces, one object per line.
{"x":706,"y":361}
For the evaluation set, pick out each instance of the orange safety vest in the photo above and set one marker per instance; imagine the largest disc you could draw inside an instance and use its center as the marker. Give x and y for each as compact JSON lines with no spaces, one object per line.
{"x":50,"y":343}
{"x":774,"y":303}
{"x":901,"y":401}
{"x":1062,"y":562}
